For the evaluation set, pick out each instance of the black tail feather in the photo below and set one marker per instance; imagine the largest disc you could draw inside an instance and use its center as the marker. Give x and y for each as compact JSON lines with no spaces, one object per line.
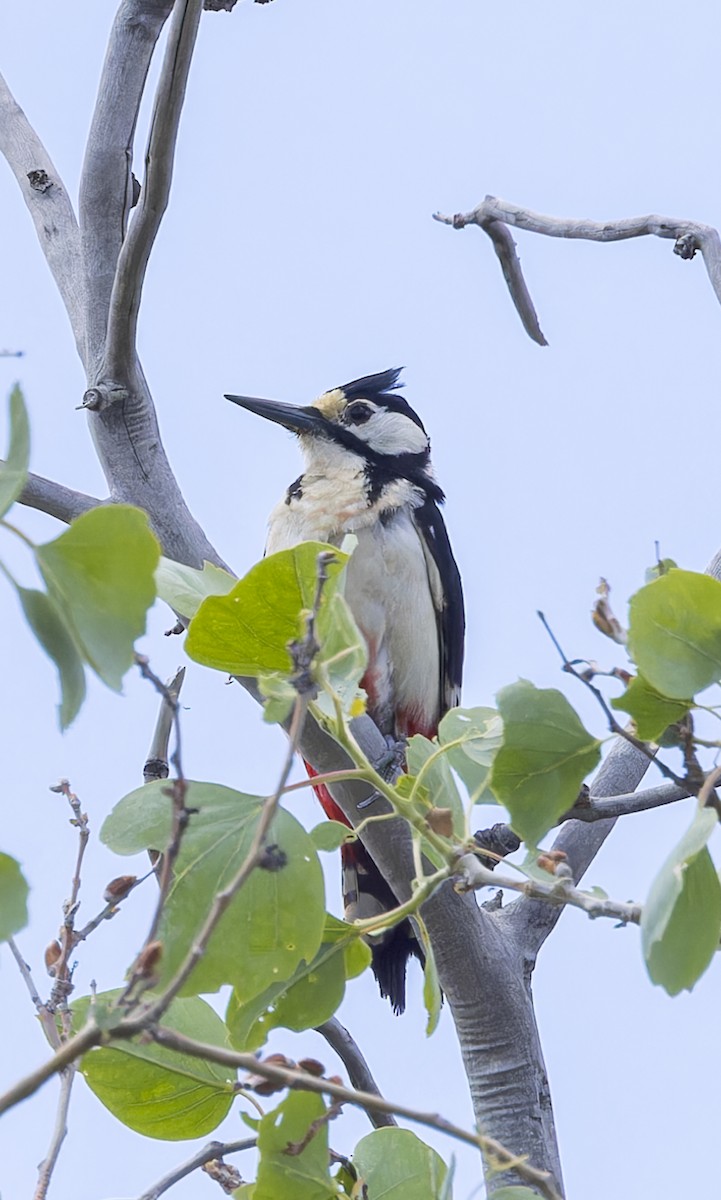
{"x":389,"y":961}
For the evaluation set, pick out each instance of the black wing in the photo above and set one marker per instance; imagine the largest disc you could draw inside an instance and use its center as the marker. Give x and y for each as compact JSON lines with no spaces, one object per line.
{"x":449,"y":601}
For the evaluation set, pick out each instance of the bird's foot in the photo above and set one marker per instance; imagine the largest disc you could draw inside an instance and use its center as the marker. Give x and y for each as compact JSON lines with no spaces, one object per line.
{"x":388,"y":766}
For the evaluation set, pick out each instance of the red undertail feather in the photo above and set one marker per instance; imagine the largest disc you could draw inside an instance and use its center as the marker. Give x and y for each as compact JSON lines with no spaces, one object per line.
{"x":366,"y":893}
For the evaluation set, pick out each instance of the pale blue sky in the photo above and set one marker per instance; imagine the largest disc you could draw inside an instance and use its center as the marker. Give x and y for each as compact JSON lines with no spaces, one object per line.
{"x":298,"y":252}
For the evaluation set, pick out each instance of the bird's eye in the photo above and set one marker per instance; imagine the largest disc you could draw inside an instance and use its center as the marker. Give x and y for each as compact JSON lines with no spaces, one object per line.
{"x":358,"y":414}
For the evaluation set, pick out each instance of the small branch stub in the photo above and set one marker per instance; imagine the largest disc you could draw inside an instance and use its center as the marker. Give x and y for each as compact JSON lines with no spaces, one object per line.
{"x":39,"y":180}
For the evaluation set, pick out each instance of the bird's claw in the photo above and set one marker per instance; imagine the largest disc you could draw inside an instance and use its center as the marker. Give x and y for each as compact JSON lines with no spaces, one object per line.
{"x":389,"y":765}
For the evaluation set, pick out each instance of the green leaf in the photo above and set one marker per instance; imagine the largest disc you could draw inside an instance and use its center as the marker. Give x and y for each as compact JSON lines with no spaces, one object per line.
{"x":284,"y":1176}
{"x":681,"y":920}
{"x":343,"y":656}
{"x":247,"y":632}
{"x":101,"y":574}
{"x":14,"y":470}
{"x":651,"y":712}
{"x":276,"y":919}
{"x":330,"y":835}
{"x":432,"y":994}
{"x":473,"y":737}
{"x":156,"y":1091}
{"x":424,"y":759}
{"x":45,"y":618}
{"x":305,"y":1000}
{"x":662,"y":567}
{"x":280,"y":696}
{"x":545,"y":756}
{"x":13,"y":897}
{"x":397,"y":1165}
{"x":674,"y":633}
{"x":185,"y":588}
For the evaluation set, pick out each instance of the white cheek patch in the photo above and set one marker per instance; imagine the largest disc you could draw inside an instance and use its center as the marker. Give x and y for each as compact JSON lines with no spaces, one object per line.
{"x":391,"y":432}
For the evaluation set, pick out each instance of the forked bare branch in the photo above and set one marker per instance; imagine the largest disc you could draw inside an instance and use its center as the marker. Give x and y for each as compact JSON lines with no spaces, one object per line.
{"x":493,"y":213}
{"x":106,"y":185}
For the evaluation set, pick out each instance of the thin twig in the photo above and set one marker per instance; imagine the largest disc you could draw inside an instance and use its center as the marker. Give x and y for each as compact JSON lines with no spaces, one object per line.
{"x":47,"y":1166}
{"x":689,"y":237}
{"x":301,"y":1080}
{"x":63,"y":984}
{"x":170,"y":692}
{"x":303,"y":653}
{"x":359,"y":1073}
{"x":253,"y":858}
{"x":613,"y":724}
{"x":209,"y":1153}
{"x":141,"y":975}
{"x":113,"y":905}
{"x":157,"y":763}
{"x":47,"y":1020}
{"x":473,"y":875}
{"x":87,"y":1037}
{"x":155,"y":193}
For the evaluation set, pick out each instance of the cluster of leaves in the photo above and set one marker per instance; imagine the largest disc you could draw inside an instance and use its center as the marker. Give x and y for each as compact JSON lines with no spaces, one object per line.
{"x":99,"y":583}
{"x":287,"y":959}
{"x":531,"y":754}
{"x":99,"y":580}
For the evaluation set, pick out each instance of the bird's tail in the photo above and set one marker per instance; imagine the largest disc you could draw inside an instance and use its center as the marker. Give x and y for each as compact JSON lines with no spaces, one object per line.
{"x":366,"y":894}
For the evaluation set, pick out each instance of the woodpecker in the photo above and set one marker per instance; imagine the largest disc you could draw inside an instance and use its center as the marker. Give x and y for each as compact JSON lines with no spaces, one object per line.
{"x":368,"y":472}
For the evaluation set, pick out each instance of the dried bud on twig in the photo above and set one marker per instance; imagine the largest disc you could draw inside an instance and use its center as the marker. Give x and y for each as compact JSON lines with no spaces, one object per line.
{"x":312,"y":1066}
{"x":604,"y":619}
{"x":148,"y":960}
{"x":551,"y":860}
{"x":119,"y":888}
{"x":266,"y":1087}
{"x":441,"y":821}
{"x":53,"y":952}
{"x":223,"y":1173}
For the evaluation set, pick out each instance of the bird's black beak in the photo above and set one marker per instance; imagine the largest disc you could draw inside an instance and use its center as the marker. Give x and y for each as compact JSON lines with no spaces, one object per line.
{"x":290,"y":416}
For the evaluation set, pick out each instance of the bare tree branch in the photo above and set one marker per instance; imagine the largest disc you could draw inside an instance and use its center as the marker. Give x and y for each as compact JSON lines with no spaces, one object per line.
{"x":689,"y":237}
{"x":49,"y":205}
{"x":301,"y":1080}
{"x":55,"y":499}
{"x":598,"y":808}
{"x":69,"y":1052}
{"x":120,"y":348}
{"x":210,"y":1152}
{"x":157,"y":764}
{"x":479,"y":962}
{"x":47,"y":1020}
{"x":561,"y":892}
{"x":47,"y":1166}
{"x":106,"y":184}
{"x":359,"y":1073}
{"x":621,"y":772}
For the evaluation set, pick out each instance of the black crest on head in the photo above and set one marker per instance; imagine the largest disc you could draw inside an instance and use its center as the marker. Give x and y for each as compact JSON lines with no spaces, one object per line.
{"x":379,"y":389}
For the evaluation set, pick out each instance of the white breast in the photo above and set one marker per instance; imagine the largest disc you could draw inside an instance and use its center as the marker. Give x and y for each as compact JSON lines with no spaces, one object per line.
{"x":389,"y":589}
